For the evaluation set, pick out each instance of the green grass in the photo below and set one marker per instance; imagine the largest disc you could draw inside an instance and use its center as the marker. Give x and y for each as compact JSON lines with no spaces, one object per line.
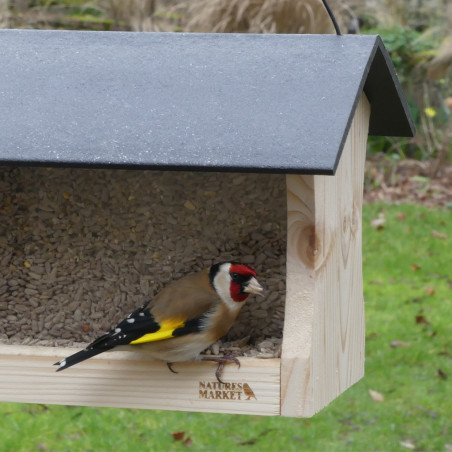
{"x":407,"y":276}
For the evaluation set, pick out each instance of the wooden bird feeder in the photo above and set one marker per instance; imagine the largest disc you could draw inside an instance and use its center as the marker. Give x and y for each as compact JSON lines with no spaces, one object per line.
{"x":295,"y":105}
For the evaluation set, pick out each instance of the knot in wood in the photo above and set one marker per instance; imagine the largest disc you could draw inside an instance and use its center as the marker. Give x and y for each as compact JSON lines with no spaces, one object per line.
{"x":304,"y":244}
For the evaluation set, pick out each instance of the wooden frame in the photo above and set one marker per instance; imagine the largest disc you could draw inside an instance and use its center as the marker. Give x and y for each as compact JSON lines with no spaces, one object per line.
{"x":323,"y":339}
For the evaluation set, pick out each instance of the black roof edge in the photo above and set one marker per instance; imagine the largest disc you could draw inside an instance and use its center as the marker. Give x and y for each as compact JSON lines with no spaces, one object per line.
{"x":390,"y":114}
{"x":137,"y":166}
{"x":383,"y":90}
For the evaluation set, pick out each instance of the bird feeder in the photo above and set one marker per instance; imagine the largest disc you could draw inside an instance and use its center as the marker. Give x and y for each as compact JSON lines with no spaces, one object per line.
{"x":292,"y":108}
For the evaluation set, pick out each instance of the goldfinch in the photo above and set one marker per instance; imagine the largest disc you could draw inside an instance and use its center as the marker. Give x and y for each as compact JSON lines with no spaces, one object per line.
{"x":183,"y":319}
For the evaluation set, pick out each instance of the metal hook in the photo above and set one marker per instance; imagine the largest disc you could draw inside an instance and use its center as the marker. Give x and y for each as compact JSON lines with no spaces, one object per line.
{"x":333,"y":19}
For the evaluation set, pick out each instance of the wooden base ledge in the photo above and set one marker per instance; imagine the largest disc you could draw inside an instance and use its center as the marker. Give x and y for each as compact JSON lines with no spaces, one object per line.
{"x":130,"y":380}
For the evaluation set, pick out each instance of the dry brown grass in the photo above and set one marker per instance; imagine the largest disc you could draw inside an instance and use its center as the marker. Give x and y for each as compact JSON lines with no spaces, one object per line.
{"x":137,"y":13}
{"x":440,"y":64}
{"x":4,"y":14}
{"x":264,"y":16}
{"x":140,"y":15}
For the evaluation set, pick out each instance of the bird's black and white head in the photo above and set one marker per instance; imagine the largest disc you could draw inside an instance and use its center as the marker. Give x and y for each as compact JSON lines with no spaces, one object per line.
{"x":234,"y":282}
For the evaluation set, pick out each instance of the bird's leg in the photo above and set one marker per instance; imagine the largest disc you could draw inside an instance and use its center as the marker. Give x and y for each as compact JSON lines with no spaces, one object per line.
{"x":228,"y":357}
{"x":171,"y":369}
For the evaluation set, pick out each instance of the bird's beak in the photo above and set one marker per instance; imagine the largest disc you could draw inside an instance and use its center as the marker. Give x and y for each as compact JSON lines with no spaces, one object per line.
{"x":253,"y":287}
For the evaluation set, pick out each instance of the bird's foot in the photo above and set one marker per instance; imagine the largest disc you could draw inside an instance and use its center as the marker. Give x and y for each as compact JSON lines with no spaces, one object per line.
{"x":228,"y":357}
{"x":171,"y":368}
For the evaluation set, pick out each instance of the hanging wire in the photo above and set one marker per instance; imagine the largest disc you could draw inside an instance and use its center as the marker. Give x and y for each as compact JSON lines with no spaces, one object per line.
{"x":333,"y":19}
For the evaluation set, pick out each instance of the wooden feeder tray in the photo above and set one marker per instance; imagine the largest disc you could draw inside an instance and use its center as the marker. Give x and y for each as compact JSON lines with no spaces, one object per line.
{"x":299,"y":107}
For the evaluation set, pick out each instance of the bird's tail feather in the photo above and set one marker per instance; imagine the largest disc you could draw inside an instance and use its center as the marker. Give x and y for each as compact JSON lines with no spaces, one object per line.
{"x":78,"y":357}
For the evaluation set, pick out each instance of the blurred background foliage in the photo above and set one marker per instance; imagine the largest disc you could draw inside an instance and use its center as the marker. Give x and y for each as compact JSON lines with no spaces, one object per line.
{"x":417,"y":33}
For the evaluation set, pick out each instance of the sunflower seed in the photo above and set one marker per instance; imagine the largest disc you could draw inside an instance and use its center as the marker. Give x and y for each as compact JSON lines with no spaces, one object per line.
{"x":122,"y":235}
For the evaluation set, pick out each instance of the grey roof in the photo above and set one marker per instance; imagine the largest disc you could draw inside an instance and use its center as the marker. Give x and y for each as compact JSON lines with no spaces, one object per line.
{"x":224,"y":102}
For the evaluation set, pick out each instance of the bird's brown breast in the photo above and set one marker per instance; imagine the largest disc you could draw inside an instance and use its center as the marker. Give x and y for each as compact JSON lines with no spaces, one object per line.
{"x":220,"y":322}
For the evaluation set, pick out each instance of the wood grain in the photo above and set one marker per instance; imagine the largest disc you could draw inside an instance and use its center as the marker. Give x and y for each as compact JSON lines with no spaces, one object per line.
{"x":323,"y":339}
{"x":130,"y":380}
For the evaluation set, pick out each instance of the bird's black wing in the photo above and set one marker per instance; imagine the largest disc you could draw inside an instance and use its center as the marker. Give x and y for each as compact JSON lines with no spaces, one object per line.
{"x":137,"y":328}
{"x":139,"y":323}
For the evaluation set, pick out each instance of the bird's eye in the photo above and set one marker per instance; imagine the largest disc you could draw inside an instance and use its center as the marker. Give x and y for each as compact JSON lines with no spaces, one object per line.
{"x":238,"y":278}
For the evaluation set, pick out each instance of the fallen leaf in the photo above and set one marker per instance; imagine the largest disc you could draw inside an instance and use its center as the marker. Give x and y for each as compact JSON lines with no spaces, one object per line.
{"x":439,"y":235}
{"x":27,"y":264}
{"x":401,"y":216}
{"x":253,"y":441}
{"x":397,"y":343}
{"x":86,"y":327}
{"x":416,"y":300}
{"x":421,"y":320}
{"x":376,"y":396}
{"x":379,"y":222}
{"x":415,"y":267}
{"x":430,"y":291}
{"x":188,"y":441}
{"x":441,"y":374}
{"x":250,"y":442}
{"x":178,"y":436}
{"x":407,"y":444}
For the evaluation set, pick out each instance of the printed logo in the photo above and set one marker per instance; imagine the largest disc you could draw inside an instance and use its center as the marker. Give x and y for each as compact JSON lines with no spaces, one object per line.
{"x":213,"y":390}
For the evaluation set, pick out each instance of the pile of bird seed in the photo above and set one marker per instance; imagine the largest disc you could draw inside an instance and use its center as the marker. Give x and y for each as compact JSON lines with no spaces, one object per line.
{"x":81,"y":248}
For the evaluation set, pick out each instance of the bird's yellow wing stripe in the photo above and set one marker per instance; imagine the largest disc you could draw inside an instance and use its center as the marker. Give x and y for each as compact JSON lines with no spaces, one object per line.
{"x":165,"y":332}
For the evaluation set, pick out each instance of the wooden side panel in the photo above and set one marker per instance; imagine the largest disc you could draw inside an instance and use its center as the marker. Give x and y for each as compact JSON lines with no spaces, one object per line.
{"x":338,"y":347}
{"x":323,"y":350}
{"x":129,"y":380}
{"x":296,"y":389}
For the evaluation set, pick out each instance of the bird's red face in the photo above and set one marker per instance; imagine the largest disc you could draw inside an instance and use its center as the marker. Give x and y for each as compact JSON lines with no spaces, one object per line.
{"x":243,"y":282}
